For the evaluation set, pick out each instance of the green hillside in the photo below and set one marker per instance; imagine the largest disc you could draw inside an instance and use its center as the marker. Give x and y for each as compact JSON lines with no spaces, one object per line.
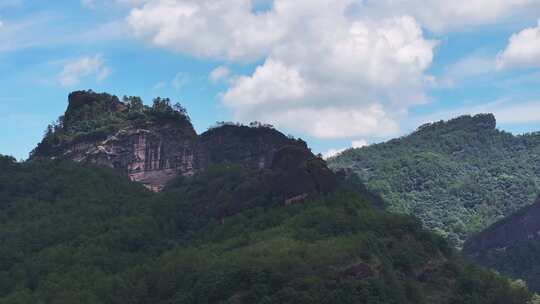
{"x":511,"y":246}
{"x":457,"y":176}
{"x":73,"y":233}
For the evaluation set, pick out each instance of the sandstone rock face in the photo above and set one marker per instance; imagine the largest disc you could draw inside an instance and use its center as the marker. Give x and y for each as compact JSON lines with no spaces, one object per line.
{"x":156,"y":154}
{"x":150,"y":156}
{"x":153,"y":150}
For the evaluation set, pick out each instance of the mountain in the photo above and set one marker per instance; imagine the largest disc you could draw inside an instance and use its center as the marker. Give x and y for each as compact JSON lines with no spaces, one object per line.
{"x":79,"y":233}
{"x":457,"y":176}
{"x":153,"y":145}
{"x":237,"y":215}
{"x":511,"y":246}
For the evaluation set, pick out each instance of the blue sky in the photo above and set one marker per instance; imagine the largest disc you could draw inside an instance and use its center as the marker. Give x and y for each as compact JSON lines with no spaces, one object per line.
{"x":337,"y":73}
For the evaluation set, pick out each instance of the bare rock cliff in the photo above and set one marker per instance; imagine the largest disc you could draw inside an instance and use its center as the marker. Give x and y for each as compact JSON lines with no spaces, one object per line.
{"x":153,"y":145}
{"x":151,"y":156}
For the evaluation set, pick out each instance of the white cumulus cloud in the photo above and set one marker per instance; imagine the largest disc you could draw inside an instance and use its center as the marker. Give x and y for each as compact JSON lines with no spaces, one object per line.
{"x":324,"y":72}
{"x":442,"y":16}
{"x":355,"y":78}
{"x":272,"y":83}
{"x":523,"y":49}
{"x":207,"y":28}
{"x":89,"y":66}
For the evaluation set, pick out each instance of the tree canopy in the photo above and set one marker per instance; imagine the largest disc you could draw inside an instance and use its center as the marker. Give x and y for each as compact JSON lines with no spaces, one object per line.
{"x":73,"y":233}
{"x":457,"y":176}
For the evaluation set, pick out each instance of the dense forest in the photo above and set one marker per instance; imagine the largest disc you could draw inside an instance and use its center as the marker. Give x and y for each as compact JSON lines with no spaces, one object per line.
{"x":76,"y":233}
{"x":511,"y":246}
{"x":521,"y":259}
{"x":457,"y":176}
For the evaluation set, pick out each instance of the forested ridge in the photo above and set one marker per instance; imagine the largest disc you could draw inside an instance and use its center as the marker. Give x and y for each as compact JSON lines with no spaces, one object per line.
{"x":77,"y":233}
{"x":457,"y":176}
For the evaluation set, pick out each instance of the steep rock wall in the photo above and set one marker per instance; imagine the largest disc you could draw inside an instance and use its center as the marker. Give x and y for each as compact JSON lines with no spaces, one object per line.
{"x":150,"y":156}
{"x":153,"y":145}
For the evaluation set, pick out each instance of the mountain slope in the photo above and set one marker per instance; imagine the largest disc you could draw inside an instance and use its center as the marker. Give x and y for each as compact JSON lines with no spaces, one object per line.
{"x":457,"y":176}
{"x":511,"y":246}
{"x":77,"y":233}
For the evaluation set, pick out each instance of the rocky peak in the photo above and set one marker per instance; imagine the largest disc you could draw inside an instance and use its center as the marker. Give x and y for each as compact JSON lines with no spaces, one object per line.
{"x":153,"y":145}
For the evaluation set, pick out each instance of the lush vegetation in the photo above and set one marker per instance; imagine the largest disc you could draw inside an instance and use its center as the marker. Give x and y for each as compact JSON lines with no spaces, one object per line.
{"x":73,"y":233}
{"x":519,"y":260}
{"x":457,"y":176}
{"x":93,"y":115}
{"x":511,"y":246}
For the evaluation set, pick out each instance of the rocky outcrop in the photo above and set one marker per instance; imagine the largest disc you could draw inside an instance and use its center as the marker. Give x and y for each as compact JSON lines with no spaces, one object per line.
{"x":152,"y":156}
{"x":155,"y":149}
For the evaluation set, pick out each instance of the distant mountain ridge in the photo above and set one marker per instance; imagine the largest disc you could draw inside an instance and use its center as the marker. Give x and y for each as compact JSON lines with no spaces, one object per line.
{"x":457,"y":176}
{"x":153,"y":145}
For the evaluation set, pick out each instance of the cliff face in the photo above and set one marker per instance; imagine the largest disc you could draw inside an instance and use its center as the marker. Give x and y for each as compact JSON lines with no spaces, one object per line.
{"x":151,"y":147}
{"x":152,"y":156}
{"x":154,"y":146}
